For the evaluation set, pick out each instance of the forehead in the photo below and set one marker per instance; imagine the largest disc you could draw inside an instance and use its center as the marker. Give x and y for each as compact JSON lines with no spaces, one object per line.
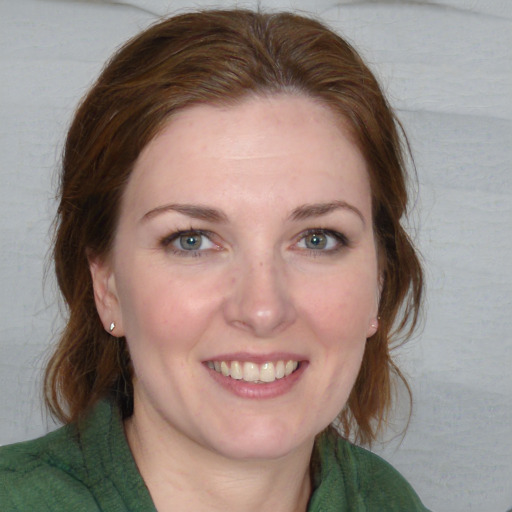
{"x":287,"y":148}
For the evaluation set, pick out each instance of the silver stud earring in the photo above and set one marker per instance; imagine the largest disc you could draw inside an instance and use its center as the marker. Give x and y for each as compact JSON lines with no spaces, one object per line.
{"x":112,"y":326}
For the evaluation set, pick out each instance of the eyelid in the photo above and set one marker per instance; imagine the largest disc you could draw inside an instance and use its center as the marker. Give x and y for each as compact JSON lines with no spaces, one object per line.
{"x":181,"y":232}
{"x":167,"y":242}
{"x":341,"y":239}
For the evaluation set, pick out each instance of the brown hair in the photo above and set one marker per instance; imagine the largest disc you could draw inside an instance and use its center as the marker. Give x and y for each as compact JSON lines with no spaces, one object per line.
{"x":218,"y":57}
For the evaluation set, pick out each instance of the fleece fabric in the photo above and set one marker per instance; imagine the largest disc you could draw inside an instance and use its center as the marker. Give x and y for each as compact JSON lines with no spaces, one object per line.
{"x":89,"y":468}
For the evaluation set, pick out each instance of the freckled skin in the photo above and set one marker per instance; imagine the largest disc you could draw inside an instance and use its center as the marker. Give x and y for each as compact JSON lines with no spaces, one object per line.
{"x":256,"y":288}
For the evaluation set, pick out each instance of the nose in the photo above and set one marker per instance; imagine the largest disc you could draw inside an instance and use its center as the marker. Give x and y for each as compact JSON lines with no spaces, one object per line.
{"x":260,"y":300}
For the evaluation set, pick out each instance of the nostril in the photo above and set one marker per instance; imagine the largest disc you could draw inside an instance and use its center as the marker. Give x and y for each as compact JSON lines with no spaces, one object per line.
{"x":259,"y":300}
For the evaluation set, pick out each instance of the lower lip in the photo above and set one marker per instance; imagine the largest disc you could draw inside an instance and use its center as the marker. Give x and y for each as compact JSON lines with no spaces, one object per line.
{"x":261,"y":390}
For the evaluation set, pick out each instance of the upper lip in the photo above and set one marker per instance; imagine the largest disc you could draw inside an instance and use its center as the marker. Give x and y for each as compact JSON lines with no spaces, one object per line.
{"x":257,"y":358}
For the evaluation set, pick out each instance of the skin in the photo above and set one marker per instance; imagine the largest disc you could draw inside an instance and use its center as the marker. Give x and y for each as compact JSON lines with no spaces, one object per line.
{"x":256,"y":288}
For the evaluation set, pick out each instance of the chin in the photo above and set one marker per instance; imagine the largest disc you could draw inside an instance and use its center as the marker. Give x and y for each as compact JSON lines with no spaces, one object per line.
{"x":260,"y":441}
{"x":260,"y":450}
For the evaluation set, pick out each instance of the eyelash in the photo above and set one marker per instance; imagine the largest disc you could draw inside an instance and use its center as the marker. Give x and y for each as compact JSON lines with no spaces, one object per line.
{"x":167,"y":241}
{"x":340,"y":238}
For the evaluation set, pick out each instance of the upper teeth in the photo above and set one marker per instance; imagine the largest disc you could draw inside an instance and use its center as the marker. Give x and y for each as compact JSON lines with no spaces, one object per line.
{"x":252,"y":372}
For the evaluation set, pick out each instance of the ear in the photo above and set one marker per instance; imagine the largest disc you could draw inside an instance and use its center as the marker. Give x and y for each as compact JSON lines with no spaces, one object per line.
{"x":373,"y":323}
{"x":105,"y":294}
{"x":372,"y":327}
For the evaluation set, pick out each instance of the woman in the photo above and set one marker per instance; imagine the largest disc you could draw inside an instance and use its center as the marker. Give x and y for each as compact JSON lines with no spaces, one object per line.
{"x":230,"y":250}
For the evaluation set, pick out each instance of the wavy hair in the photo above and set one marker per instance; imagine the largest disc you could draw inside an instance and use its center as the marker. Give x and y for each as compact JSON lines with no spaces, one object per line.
{"x":219,"y":57}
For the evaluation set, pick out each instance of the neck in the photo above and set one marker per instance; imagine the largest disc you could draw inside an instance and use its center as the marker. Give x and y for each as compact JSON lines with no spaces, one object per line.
{"x":182,"y":475}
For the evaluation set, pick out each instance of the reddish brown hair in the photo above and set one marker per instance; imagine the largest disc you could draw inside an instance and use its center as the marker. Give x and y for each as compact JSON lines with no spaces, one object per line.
{"x":218,"y":57}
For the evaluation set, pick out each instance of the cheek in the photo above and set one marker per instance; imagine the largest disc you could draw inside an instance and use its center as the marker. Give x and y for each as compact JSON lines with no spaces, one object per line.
{"x":340,"y":307}
{"x":167,"y":310}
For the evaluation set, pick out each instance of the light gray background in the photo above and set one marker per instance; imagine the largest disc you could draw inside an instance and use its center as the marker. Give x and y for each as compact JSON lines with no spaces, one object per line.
{"x":447,"y":68}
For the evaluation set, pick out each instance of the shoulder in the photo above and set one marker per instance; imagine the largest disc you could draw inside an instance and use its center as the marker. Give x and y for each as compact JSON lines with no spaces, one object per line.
{"x":45,"y":474}
{"x":365,"y":478}
{"x":87,"y":467}
{"x":378,"y":479}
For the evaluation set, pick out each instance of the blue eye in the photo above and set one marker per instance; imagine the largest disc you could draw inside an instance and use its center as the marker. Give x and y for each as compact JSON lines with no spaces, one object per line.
{"x":316,"y":241}
{"x":322,"y":240}
{"x":189,"y":243}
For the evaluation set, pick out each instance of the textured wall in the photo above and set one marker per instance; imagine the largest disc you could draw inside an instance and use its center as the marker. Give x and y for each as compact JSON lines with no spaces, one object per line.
{"x":447,"y":67}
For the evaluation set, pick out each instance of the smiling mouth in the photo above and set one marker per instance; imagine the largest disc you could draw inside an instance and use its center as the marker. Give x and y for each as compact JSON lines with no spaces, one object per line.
{"x":252,"y":372}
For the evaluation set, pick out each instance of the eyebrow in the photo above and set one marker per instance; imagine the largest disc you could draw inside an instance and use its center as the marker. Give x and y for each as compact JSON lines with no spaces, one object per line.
{"x":190,"y":210}
{"x":307,"y":211}
{"x":302,"y":212}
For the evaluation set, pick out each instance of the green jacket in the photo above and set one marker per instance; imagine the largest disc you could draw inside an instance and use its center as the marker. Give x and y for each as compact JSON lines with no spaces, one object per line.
{"x":89,"y":468}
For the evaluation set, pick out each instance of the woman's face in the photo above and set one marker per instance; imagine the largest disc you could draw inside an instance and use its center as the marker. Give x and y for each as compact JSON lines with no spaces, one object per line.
{"x":244,"y":275}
